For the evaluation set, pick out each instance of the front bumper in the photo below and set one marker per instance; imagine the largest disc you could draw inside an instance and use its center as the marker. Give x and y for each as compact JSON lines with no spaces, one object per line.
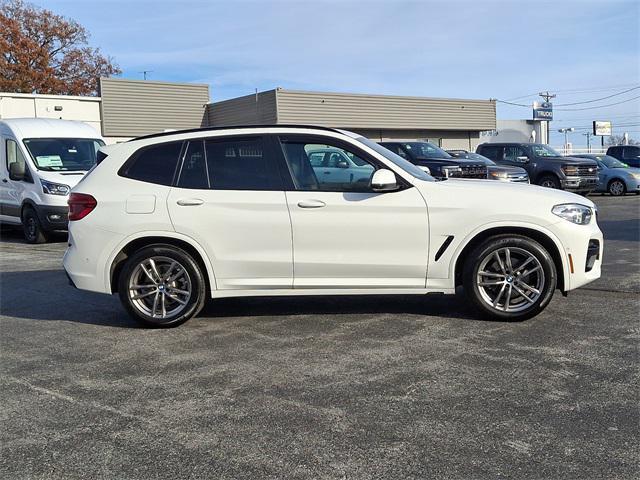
{"x":579,"y":184}
{"x":53,"y":217}
{"x":583,"y":247}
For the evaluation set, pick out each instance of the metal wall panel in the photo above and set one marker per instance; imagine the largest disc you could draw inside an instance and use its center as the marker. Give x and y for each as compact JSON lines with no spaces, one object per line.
{"x":253,"y":109}
{"x":139,"y":107}
{"x":358,"y":111}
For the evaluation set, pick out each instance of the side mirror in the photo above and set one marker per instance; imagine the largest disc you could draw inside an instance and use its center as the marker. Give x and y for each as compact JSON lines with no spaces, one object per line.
{"x":17,"y":171}
{"x":522,"y":159}
{"x":384,"y":180}
{"x":342,"y":164}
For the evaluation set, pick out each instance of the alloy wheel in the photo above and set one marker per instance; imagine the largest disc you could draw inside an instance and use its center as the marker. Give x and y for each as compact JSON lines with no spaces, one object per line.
{"x":616,"y":188}
{"x":510,"y":279}
{"x":160,"y":287}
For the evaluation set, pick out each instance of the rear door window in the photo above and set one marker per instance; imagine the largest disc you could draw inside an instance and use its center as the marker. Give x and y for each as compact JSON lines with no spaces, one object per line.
{"x":154,"y":164}
{"x":242,"y":164}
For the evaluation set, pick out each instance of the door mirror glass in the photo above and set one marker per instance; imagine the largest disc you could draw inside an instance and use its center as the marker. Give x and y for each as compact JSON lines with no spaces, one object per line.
{"x":17,"y":171}
{"x":384,"y":180}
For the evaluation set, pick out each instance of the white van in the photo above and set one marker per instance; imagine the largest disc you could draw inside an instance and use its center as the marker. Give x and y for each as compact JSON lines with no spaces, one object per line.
{"x":41,"y":160}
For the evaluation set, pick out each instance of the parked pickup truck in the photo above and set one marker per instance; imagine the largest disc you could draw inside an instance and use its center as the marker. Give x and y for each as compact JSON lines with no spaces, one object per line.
{"x":439,"y":163}
{"x":545,"y":166}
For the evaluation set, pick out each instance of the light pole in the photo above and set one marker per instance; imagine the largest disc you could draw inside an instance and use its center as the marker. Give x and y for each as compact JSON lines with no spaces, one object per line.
{"x":588,"y":135}
{"x":566,"y":131}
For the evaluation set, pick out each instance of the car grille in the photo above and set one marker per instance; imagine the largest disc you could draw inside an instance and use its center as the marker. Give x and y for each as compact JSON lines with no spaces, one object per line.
{"x":586,"y":171}
{"x":474,"y":171}
{"x":518,"y":177}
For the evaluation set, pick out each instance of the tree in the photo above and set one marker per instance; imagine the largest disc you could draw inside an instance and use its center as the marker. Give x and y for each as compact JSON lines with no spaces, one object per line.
{"x":41,"y":52}
{"x":619,"y":140}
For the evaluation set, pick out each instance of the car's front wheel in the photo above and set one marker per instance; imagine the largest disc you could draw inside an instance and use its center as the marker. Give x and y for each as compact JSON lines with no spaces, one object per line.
{"x":509,"y":277}
{"x":616,"y":187}
{"x":549,"y":181}
{"x":162,"y":286}
{"x":33,"y":231}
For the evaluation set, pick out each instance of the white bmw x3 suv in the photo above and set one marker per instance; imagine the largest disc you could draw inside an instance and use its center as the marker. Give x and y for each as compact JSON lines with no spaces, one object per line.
{"x":169,"y":220}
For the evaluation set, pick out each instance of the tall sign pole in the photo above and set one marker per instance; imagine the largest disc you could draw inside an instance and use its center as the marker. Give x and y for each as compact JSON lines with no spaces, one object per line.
{"x":547,"y":98}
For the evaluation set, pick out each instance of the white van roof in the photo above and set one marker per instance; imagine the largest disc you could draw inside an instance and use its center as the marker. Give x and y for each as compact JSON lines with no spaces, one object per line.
{"x":48,"y":128}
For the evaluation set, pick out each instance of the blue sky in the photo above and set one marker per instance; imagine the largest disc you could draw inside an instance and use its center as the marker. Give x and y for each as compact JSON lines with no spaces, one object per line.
{"x":581,"y":50}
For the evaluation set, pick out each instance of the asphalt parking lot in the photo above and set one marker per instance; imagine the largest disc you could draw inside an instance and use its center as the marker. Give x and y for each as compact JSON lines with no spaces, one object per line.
{"x":355,"y":387}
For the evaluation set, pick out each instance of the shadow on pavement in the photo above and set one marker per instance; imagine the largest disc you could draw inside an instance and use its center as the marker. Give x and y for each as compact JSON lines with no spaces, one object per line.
{"x":46,"y":295}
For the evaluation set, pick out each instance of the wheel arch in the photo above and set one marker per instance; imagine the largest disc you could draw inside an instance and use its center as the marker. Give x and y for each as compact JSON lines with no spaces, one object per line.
{"x":612,"y":179}
{"x":132,"y":245}
{"x":545,"y":239}
{"x":546,"y":173}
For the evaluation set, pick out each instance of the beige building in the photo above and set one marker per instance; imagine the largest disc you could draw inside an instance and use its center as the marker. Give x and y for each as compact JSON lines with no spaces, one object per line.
{"x":125,"y":109}
{"x":451,"y":123}
{"x":130,"y":108}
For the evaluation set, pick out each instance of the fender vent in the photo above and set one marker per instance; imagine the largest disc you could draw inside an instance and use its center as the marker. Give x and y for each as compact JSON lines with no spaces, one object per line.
{"x":444,"y":247}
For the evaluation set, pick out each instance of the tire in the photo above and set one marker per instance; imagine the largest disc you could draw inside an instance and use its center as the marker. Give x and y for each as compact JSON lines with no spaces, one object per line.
{"x":171,"y":290}
{"x":493,"y":293}
{"x":616,"y":187}
{"x":32,"y":228}
{"x":549,"y":181}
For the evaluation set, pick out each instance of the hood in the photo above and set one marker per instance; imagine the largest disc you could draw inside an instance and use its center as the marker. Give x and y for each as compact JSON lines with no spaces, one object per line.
{"x":509,"y":194}
{"x":506,"y":168}
{"x":66,"y":178}
{"x":570,"y":160}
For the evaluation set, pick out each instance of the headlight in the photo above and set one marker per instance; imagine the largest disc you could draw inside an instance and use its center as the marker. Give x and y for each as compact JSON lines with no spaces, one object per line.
{"x":574,"y":212}
{"x":55,"y":188}
{"x":424,"y":169}
{"x":636,"y":175}
{"x":570,"y":170}
{"x":498,"y":175}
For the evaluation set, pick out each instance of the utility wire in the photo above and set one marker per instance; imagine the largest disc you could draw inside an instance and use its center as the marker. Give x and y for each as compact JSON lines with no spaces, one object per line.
{"x":598,"y":106}
{"x":596,"y":99}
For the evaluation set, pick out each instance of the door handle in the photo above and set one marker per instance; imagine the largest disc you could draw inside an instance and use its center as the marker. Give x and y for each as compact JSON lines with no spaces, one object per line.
{"x":311,"y":204}
{"x":190,"y":202}
{"x":4,"y":180}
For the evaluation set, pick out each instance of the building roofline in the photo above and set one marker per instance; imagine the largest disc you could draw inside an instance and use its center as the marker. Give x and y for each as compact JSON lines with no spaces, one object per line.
{"x":49,"y":96}
{"x":233,"y":127}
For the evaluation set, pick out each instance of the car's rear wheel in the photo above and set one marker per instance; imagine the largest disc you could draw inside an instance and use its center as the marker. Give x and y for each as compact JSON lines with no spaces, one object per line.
{"x":616,"y":187}
{"x":510,"y":277}
{"x":33,"y":232}
{"x":162,"y":286}
{"x":549,"y":181}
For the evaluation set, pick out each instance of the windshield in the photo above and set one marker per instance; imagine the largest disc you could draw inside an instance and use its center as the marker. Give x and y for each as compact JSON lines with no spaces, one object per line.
{"x":611,"y":162}
{"x":63,"y":154}
{"x":397,"y":160}
{"x":540,"y":150}
{"x":425,"y":149}
{"x":479,"y":158}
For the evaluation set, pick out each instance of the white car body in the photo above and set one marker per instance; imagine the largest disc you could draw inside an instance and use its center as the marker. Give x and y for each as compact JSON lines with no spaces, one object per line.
{"x":16,"y":194}
{"x":277,"y":243}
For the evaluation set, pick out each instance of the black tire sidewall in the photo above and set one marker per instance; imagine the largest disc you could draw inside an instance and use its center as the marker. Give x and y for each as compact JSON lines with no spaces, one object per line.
{"x":556,"y":182}
{"x":494,"y":243}
{"x":198,"y":295}
{"x":624,"y":187}
{"x":40,"y":236}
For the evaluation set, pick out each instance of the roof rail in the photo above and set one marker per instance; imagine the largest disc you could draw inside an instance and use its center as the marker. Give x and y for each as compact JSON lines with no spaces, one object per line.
{"x":233,"y":127}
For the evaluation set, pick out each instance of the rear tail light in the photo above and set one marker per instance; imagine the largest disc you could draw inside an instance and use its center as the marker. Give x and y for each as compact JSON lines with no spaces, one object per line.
{"x":80,"y":205}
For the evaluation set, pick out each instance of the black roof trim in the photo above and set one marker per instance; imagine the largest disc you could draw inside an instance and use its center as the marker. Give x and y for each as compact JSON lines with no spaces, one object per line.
{"x":234,"y":127}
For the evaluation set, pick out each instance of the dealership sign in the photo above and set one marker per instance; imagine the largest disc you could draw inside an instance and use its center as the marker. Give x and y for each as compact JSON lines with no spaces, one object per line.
{"x":602,"y":129}
{"x":543,"y":111}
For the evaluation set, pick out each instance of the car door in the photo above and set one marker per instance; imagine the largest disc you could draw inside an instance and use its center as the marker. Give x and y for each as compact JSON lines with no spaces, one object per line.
{"x":229,"y":197}
{"x":347,"y":236}
{"x":12,"y":191}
